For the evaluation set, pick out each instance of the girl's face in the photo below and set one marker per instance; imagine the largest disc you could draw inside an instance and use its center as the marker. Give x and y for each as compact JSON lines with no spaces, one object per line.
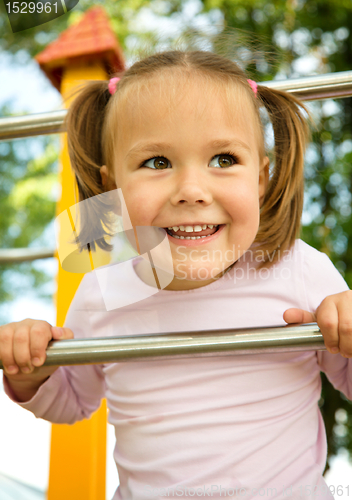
{"x":193,"y":163}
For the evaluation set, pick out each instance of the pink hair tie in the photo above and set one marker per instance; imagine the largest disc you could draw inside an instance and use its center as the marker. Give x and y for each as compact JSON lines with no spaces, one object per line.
{"x":112,"y":85}
{"x":253,"y":85}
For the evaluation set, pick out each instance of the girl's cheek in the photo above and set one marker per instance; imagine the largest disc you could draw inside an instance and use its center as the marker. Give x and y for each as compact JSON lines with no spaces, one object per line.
{"x":140,"y":207}
{"x":243,"y":203}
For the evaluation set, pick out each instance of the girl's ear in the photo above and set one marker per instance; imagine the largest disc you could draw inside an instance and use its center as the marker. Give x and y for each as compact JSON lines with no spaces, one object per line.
{"x":263,"y":179}
{"x":106,"y":179}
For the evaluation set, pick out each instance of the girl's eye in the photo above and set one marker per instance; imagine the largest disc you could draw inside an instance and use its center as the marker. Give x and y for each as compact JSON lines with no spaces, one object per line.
{"x":158,"y":163}
{"x":227,"y":160}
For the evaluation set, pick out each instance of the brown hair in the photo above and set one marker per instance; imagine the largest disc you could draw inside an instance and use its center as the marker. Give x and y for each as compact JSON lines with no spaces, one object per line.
{"x":92,"y":123}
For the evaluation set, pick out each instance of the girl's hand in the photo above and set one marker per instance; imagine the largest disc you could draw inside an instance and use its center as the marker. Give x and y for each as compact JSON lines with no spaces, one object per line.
{"x":334,"y":318}
{"x":23,"y":351}
{"x":23,"y":346}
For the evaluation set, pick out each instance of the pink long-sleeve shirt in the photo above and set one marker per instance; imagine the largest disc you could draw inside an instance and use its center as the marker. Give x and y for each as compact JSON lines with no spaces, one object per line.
{"x":239,"y":425}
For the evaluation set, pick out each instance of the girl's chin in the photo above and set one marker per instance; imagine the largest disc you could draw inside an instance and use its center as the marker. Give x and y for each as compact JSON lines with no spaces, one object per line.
{"x":191,"y":281}
{"x":199,"y":274}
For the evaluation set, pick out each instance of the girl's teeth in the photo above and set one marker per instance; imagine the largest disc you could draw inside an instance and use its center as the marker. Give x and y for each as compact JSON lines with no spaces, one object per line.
{"x":190,"y":237}
{"x":191,"y":229}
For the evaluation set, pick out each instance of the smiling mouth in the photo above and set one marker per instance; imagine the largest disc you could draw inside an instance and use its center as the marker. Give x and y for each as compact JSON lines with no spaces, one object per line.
{"x":192,"y":232}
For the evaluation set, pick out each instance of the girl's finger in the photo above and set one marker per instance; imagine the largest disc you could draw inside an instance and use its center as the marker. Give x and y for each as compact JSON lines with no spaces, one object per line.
{"x":345,"y":345}
{"x":21,"y":350}
{"x":295,"y":315}
{"x":345,"y":326}
{"x":6,"y":349}
{"x":40,"y":335}
{"x":328,"y":320}
{"x":61,"y":333}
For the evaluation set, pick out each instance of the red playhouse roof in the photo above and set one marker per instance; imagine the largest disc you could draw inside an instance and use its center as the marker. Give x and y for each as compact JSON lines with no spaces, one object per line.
{"x":90,"y":39}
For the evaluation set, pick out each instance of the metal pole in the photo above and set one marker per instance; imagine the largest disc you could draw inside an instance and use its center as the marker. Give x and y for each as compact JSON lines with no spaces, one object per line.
{"x":331,"y":85}
{"x":16,"y":127}
{"x":313,"y":88}
{"x":14,"y":255}
{"x":176,"y":345}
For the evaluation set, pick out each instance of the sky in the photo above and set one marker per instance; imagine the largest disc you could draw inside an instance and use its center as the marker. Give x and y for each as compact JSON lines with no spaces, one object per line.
{"x":26,"y":443}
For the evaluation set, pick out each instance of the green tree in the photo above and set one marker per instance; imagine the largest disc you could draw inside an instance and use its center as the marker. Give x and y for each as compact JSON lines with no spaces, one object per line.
{"x":34,"y":40}
{"x":28,"y":192}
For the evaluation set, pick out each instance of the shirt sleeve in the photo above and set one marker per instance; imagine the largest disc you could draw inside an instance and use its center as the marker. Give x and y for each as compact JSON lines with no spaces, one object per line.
{"x":322,"y":279}
{"x":71,"y":393}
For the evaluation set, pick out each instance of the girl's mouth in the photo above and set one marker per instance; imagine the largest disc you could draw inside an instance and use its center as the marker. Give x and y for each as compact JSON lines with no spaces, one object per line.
{"x":194,"y":235}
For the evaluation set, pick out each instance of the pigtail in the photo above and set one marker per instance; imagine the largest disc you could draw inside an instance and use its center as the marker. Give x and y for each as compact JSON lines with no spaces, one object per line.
{"x":283,"y":203}
{"x":84,"y":123}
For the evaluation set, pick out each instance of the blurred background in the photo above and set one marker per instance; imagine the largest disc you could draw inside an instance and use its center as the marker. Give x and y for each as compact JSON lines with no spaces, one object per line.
{"x":281,"y":39}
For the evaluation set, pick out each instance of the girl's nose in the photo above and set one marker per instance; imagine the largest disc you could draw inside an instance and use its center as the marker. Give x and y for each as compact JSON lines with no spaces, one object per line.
{"x":191,"y":188}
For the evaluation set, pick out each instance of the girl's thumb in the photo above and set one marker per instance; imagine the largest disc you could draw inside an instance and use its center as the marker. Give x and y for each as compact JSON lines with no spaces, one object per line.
{"x":60,"y":333}
{"x":294,"y":315}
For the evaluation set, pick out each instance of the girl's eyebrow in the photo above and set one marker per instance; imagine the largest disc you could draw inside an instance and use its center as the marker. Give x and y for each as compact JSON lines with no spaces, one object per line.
{"x":152,"y":147}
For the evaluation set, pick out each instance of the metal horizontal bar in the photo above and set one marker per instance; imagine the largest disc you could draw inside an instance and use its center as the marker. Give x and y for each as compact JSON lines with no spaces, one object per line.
{"x":185,"y":344}
{"x":331,"y":85}
{"x":17,"y":127}
{"x":13,"y":255}
{"x":311,"y":88}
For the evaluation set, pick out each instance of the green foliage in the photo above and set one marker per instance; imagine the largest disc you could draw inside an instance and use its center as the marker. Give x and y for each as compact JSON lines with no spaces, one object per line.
{"x":336,"y":410}
{"x":33,"y":41}
{"x":29,"y":182}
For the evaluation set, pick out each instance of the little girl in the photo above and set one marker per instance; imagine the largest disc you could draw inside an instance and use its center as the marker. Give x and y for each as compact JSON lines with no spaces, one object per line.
{"x":180,"y":134}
